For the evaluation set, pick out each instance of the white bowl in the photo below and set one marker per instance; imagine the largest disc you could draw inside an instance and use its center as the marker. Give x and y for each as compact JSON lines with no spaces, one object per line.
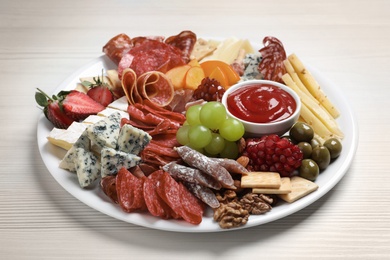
{"x":259,"y":129}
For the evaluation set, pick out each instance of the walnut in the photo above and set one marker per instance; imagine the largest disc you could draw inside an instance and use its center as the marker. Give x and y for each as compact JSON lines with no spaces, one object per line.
{"x":227,"y":196}
{"x":256,"y":204}
{"x":231,"y":215}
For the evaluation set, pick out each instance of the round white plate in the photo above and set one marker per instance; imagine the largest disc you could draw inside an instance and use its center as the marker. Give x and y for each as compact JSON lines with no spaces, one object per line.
{"x":95,"y":198}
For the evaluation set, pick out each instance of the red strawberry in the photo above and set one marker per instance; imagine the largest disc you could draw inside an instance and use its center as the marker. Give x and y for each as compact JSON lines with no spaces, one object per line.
{"x":53,"y":110}
{"x":99,"y":91}
{"x":79,"y":106}
{"x":101,"y":94}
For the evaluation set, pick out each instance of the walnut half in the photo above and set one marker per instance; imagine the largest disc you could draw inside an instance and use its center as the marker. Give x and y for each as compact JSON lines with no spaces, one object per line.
{"x":256,"y":204}
{"x":231,"y":215}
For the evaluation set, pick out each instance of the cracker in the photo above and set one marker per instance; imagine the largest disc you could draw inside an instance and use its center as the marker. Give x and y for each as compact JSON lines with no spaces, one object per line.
{"x":285,"y":187}
{"x":300,"y":187}
{"x":261,"y":180}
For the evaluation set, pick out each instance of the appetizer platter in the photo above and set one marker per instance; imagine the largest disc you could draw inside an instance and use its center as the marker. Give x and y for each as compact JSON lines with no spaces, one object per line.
{"x":148,"y":133}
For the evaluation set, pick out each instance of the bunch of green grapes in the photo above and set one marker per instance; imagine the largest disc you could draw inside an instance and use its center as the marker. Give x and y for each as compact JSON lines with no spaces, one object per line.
{"x":209,"y":130}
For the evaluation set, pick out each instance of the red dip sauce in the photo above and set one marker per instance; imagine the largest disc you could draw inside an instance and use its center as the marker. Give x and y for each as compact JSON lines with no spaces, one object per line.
{"x":261,"y":103}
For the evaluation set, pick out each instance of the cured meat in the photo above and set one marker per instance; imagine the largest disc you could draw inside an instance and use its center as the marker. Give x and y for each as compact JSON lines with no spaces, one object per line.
{"x":117,"y":46}
{"x":108,"y":185}
{"x":185,"y":41}
{"x":231,"y":166}
{"x":179,"y":199}
{"x":156,"y":206}
{"x":273,"y":54}
{"x":130,"y":191}
{"x":153,"y":86}
{"x":207,"y":165}
{"x":191,"y":175}
{"x":204,"y":194}
{"x":152,"y":55}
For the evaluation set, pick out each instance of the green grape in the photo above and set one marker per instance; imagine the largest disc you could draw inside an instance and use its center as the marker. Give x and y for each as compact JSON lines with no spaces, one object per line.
{"x":182,"y":135}
{"x":212,"y":114}
{"x":230,"y":151}
{"x":216,"y":144}
{"x":201,"y":150}
{"x":192,"y":115}
{"x":232,"y":129}
{"x":199,"y":136}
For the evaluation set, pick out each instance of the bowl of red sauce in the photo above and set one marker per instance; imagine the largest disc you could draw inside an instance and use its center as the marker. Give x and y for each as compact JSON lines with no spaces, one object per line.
{"x":263,"y":106}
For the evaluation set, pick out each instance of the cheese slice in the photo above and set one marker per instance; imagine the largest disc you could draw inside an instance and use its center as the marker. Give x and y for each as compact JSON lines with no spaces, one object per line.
{"x":120,"y":104}
{"x":65,"y":138}
{"x":109,"y":111}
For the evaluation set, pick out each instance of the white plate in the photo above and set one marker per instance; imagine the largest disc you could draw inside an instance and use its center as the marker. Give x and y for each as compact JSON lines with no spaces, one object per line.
{"x":96,"y":199}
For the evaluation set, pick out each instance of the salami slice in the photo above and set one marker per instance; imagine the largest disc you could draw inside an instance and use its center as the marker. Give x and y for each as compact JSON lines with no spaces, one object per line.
{"x":156,"y":206}
{"x":117,"y":46}
{"x":154,"y":55}
{"x":193,"y":208}
{"x":273,"y":54}
{"x":130,"y":191}
{"x":180,"y":200}
{"x":108,"y":185}
{"x":185,"y":41}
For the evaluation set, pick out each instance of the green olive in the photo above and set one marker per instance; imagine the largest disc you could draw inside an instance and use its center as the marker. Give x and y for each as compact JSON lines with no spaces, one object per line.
{"x":334,"y":146}
{"x":315,"y":143}
{"x":288,"y":138}
{"x":301,"y":132}
{"x":309,"y":169}
{"x":321,"y":156}
{"x":306,"y":149}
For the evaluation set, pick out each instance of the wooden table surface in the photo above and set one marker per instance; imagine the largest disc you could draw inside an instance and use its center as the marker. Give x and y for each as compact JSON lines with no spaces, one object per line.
{"x":43,"y":42}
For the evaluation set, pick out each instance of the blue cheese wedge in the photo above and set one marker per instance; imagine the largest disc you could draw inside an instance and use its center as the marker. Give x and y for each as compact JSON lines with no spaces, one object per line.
{"x":87,"y":167}
{"x":106,"y":131}
{"x":251,"y":63}
{"x":132,"y":140}
{"x":68,"y":162}
{"x":112,"y":161}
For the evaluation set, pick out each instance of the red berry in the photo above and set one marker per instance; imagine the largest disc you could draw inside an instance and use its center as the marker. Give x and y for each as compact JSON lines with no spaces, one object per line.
{"x":79,"y":106}
{"x":272,"y":153}
{"x":101,"y":94}
{"x":55,"y":115}
{"x":209,"y":90}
